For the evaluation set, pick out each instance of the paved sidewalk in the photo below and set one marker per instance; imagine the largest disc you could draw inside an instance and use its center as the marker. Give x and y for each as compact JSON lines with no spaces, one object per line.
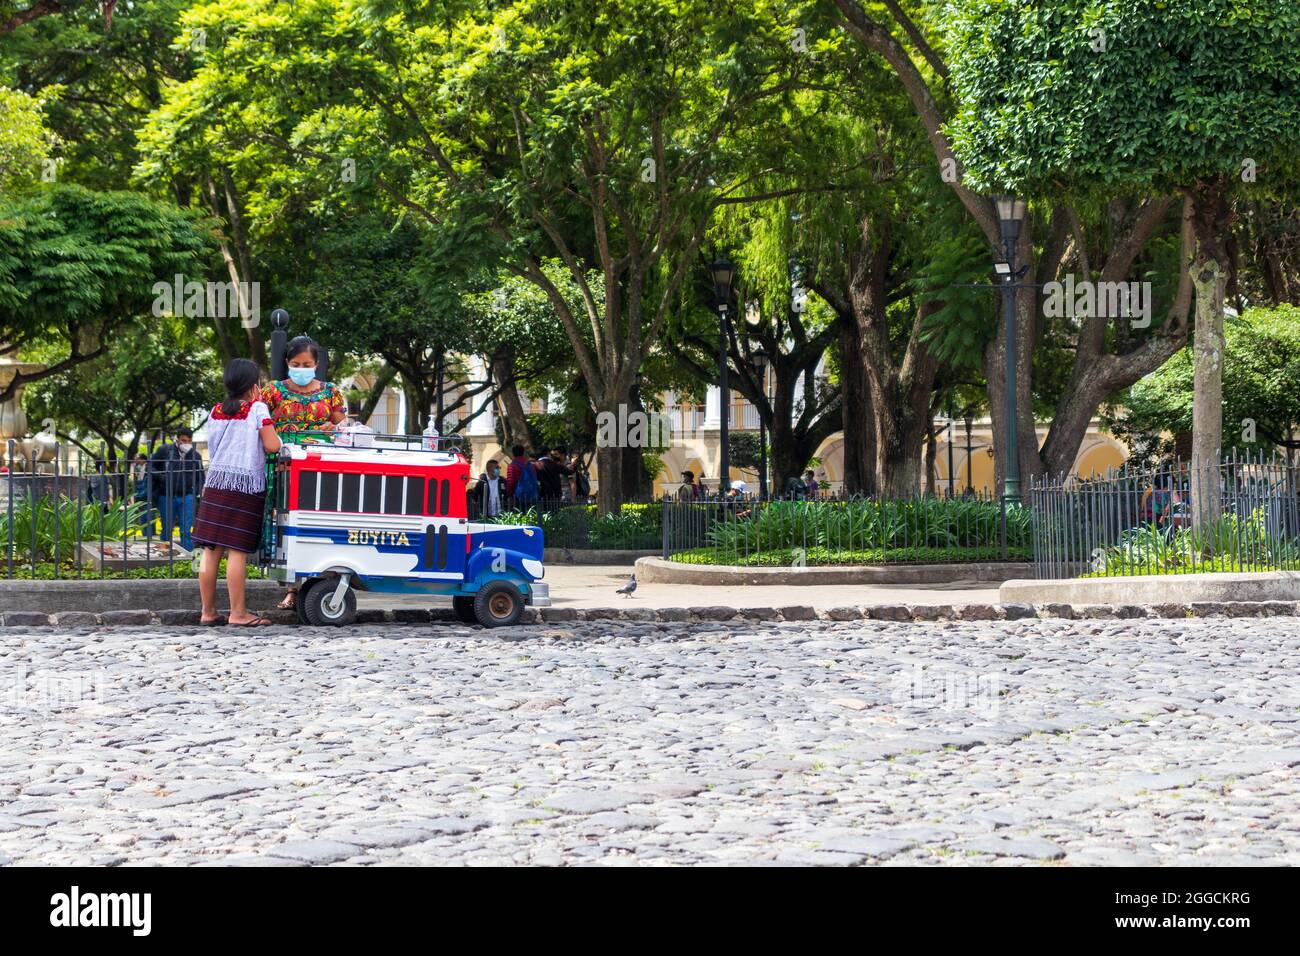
{"x":584,"y":586}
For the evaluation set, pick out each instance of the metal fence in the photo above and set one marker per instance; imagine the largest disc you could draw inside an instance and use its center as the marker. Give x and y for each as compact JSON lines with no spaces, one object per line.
{"x":839,"y":531}
{"x":580,"y":526}
{"x":94,"y":516}
{"x":1141,"y":521}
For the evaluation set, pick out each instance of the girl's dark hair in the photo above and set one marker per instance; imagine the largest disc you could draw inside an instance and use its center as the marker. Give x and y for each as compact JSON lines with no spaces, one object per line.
{"x":300,"y":344}
{"x":241,"y":375}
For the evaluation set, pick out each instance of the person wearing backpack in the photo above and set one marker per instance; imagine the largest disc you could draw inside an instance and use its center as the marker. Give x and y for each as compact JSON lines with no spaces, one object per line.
{"x":521,"y":479}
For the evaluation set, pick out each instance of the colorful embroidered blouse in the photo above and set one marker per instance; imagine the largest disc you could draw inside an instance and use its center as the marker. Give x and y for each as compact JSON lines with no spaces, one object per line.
{"x":302,"y":411}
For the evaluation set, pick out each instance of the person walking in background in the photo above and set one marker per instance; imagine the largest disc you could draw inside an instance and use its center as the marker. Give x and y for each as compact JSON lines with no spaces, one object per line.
{"x":490,"y":493}
{"x":140,"y":490}
{"x":811,"y":488}
{"x":579,"y":480}
{"x":521,"y":479}
{"x":229,"y":521}
{"x":690,"y":489}
{"x":177,"y":484}
{"x":552,"y":473}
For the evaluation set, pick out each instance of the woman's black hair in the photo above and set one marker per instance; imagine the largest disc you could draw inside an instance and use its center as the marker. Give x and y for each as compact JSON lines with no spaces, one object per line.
{"x":241,"y":375}
{"x":299,"y":344}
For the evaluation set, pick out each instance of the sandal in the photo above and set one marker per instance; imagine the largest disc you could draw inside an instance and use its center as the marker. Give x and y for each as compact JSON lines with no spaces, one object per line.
{"x":288,"y":603}
{"x":257,"y":621}
{"x":218,"y":621}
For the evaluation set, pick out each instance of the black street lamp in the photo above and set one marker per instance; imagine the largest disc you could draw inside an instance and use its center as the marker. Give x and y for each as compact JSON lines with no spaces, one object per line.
{"x":760,"y":366}
{"x":970,"y":482}
{"x":952,"y":433}
{"x":1011,"y":212}
{"x":723,"y":274}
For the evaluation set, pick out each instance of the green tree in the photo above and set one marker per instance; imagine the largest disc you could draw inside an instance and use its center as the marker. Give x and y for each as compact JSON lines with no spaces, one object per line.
{"x":916,"y":41}
{"x":77,"y":267}
{"x":150,"y":379}
{"x":1261,"y":364}
{"x":1193,"y":96}
{"x":24,"y":141}
{"x":600,"y":135}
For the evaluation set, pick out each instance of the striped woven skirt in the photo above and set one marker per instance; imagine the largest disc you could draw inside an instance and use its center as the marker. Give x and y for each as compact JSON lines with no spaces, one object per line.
{"x":229,"y":519}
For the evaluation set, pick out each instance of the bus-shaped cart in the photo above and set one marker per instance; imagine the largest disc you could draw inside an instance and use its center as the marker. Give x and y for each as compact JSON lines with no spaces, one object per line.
{"x":389,"y":516}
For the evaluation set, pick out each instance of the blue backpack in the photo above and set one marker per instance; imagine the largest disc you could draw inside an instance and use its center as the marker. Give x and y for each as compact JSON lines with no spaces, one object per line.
{"x":526,"y":485}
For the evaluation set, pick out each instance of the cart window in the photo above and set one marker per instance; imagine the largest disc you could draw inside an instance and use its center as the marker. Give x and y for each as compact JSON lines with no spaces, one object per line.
{"x":433,"y":496}
{"x":393,"y":494}
{"x":430,"y":548}
{"x":414,"y":495}
{"x":308,"y":482}
{"x":351,"y":493}
{"x":329,"y":491}
{"x":370,"y":495}
{"x":446,"y":496}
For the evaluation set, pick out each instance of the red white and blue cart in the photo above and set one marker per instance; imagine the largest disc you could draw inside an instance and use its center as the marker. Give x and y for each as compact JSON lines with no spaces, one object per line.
{"x":389,"y":516}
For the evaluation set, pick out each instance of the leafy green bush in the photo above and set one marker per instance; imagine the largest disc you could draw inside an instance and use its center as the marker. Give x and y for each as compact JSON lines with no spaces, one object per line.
{"x":933,"y":526}
{"x":1232,"y":543}
{"x":637,"y":526}
{"x":73,"y":519}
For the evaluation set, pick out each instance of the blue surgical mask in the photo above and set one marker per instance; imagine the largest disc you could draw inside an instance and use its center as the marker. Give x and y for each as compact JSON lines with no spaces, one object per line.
{"x":302,"y":376}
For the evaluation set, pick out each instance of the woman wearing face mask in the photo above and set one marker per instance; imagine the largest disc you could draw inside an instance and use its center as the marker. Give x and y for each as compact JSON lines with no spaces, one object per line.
{"x":301,"y":402}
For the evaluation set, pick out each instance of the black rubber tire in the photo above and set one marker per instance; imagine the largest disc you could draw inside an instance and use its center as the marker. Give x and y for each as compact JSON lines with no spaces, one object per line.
{"x":498,"y":604}
{"x":464,"y":608}
{"x":314,"y":605}
{"x":299,"y":600}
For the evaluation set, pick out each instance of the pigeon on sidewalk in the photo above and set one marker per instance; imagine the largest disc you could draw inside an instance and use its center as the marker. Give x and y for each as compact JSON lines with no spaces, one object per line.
{"x":627,"y":589}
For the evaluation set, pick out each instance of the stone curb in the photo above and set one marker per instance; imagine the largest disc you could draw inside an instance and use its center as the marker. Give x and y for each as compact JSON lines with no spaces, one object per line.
{"x":916,"y":613}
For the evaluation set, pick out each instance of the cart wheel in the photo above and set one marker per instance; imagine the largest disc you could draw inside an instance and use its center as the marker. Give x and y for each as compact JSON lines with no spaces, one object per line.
{"x":464,"y":608}
{"x":317,"y":609}
{"x":498,"y":604}
{"x":300,"y":601}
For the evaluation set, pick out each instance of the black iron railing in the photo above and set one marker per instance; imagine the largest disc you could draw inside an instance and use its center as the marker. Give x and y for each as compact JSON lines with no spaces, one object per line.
{"x":1241,"y":513}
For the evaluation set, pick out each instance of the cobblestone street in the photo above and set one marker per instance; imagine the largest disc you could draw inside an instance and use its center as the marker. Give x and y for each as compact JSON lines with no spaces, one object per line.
{"x":1016,"y":742}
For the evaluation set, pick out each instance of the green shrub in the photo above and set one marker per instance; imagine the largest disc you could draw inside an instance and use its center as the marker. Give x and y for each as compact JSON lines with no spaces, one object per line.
{"x":72,"y":519}
{"x":930,"y":525}
{"x":1231,"y":543}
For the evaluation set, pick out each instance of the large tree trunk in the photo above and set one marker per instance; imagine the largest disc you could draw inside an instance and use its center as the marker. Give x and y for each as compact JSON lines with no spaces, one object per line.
{"x":609,"y":475}
{"x":858,"y":420}
{"x":1209,"y":272}
{"x":514,"y":424}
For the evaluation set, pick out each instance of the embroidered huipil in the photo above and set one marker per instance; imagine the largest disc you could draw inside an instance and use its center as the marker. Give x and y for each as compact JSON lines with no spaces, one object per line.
{"x":302,"y":411}
{"x":236,"y":458}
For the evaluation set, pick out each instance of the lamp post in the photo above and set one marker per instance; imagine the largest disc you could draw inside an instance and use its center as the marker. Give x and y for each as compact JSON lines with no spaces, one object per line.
{"x":760,"y":365}
{"x":1011,"y":212}
{"x":723,"y":273}
{"x":970,"y":482}
{"x":952,"y":433}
